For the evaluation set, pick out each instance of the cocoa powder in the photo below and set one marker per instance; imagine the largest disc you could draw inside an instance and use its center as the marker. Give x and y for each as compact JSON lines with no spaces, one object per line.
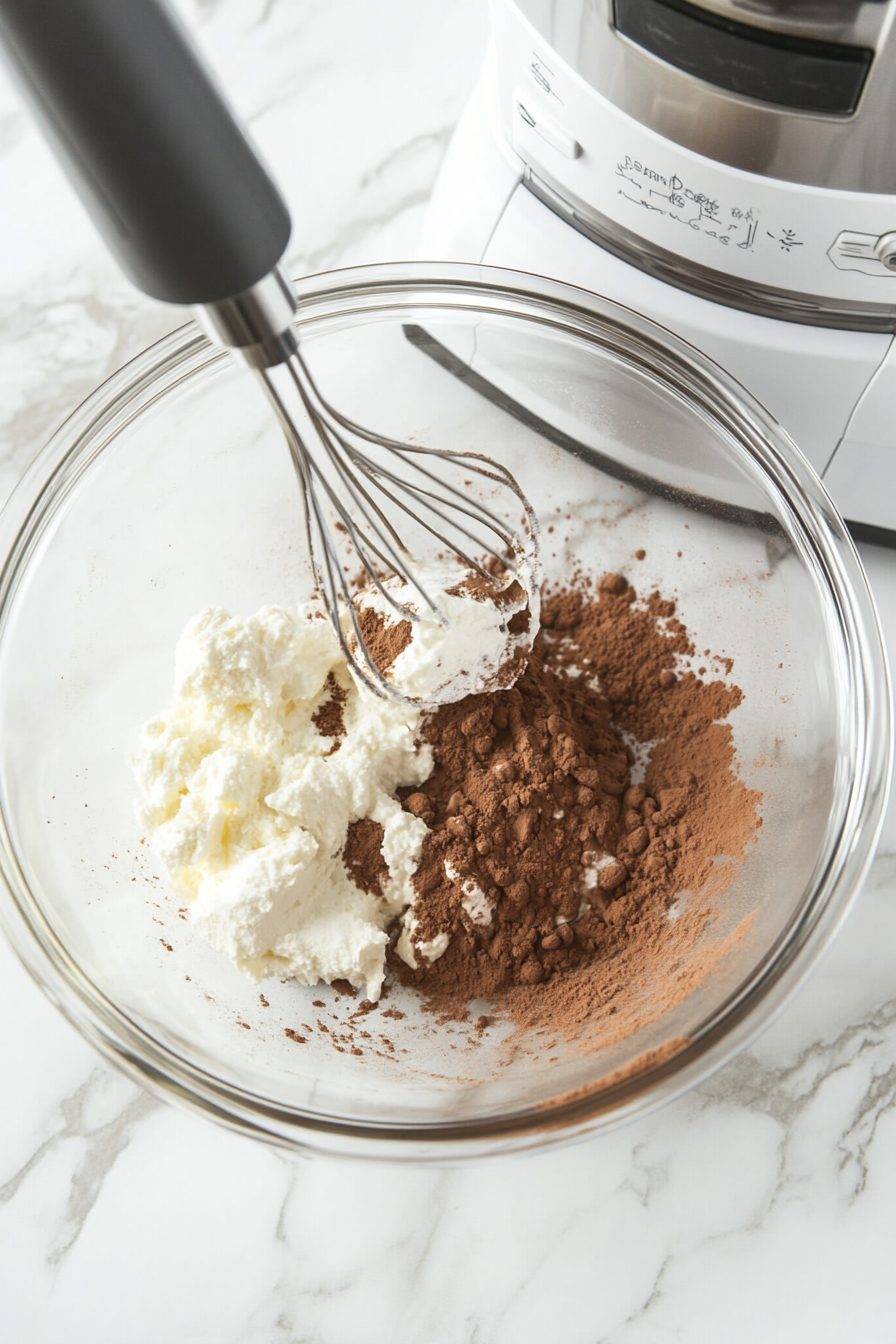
{"x":362,"y":855}
{"x":328,"y":718}
{"x":553,"y":874}
{"x":485,"y":587}
{"x":384,"y":639}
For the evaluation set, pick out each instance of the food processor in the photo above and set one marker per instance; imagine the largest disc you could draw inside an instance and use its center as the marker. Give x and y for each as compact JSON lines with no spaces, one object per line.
{"x":726,"y":168}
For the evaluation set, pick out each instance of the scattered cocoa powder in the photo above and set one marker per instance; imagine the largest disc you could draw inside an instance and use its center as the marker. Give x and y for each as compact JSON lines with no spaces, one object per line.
{"x":362,"y":855}
{"x":486,"y":587}
{"x":649,"y":1059}
{"x":344,"y":987}
{"x":328,"y":717}
{"x":552,"y":873}
{"x":384,"y":639}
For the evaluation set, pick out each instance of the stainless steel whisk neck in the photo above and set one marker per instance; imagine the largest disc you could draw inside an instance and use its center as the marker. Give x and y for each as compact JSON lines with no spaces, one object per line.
{"x":257,"y":324}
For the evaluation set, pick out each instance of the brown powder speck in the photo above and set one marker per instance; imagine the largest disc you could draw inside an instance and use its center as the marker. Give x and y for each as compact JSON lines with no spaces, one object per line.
{"x":294,"y":1036}
{"x":487,"y":587}
{"x":362,"y":856}
{"x":328,"y":717}
{"x":344,"y":987}
{"x":384,"y":639}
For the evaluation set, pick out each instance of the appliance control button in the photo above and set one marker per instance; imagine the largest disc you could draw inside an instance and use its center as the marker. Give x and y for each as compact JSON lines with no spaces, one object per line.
{"x":866,"y":252}
{"x":547,"y":128}
{"x":885,"y":250}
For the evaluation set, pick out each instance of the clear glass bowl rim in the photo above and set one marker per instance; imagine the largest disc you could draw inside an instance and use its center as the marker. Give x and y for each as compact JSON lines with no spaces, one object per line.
{"x":849,"y":853}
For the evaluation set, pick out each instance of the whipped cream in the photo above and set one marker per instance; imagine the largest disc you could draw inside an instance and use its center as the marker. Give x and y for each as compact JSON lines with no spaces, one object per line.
{"x":473,"y":898}
{"x":482,"y":645}
{"x":409,"y":946}
{"x":247,"y":804}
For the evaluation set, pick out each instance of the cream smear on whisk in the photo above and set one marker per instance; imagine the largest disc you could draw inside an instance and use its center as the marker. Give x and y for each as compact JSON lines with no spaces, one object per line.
{"x":481,"y":642}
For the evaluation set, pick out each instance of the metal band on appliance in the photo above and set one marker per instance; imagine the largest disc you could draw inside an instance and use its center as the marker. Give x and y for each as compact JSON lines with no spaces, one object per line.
{"x":780,"y":68}
{"x":734,"y":292}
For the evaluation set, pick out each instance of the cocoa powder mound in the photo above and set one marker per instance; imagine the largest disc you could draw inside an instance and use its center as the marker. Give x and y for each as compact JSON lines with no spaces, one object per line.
{"x":554,"y":874}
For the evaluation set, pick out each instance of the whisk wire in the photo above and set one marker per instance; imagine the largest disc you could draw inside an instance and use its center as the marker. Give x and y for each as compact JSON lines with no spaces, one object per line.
{"x":331,"y":581}
{"x":340,"y":480}
{"x":479,"y":462}
{"x":365,"y":467}
{"x":306,"y":466}
{"x":325,"y":559}
{"x":488,"y":520}
{"x":388,"y":556}
{"x":357,"y":490}
{"x":362,"y":497}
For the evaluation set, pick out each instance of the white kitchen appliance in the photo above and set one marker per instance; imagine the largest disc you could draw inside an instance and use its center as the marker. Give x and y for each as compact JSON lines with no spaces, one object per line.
{"x":729,"y":170}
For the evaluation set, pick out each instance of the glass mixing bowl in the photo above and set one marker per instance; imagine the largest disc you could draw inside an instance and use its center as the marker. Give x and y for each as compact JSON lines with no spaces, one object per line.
{"x":171,"y":489}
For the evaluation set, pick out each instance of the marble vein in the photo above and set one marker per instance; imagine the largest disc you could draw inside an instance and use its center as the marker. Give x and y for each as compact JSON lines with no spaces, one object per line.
{"x":787,"y":1093}
{"x":653,"y":1297}
{"x":855,"y":1145}
{"x":97,"y":1143}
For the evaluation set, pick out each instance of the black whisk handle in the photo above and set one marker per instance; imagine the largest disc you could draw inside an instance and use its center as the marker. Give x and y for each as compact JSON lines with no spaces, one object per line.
{"x":157,"y":157}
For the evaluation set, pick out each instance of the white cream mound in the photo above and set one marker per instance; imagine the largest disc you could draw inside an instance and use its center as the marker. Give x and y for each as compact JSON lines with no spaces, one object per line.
{"x":480,"y":647}
{"x":247,"y":805}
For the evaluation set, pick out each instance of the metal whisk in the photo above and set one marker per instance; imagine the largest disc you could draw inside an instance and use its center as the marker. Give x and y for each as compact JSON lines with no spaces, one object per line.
{"x":358,"y":486}
{"x":194,"y":219}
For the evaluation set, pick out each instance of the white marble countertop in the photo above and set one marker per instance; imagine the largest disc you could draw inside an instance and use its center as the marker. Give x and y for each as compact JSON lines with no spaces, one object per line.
{"x":759,"y":1207}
